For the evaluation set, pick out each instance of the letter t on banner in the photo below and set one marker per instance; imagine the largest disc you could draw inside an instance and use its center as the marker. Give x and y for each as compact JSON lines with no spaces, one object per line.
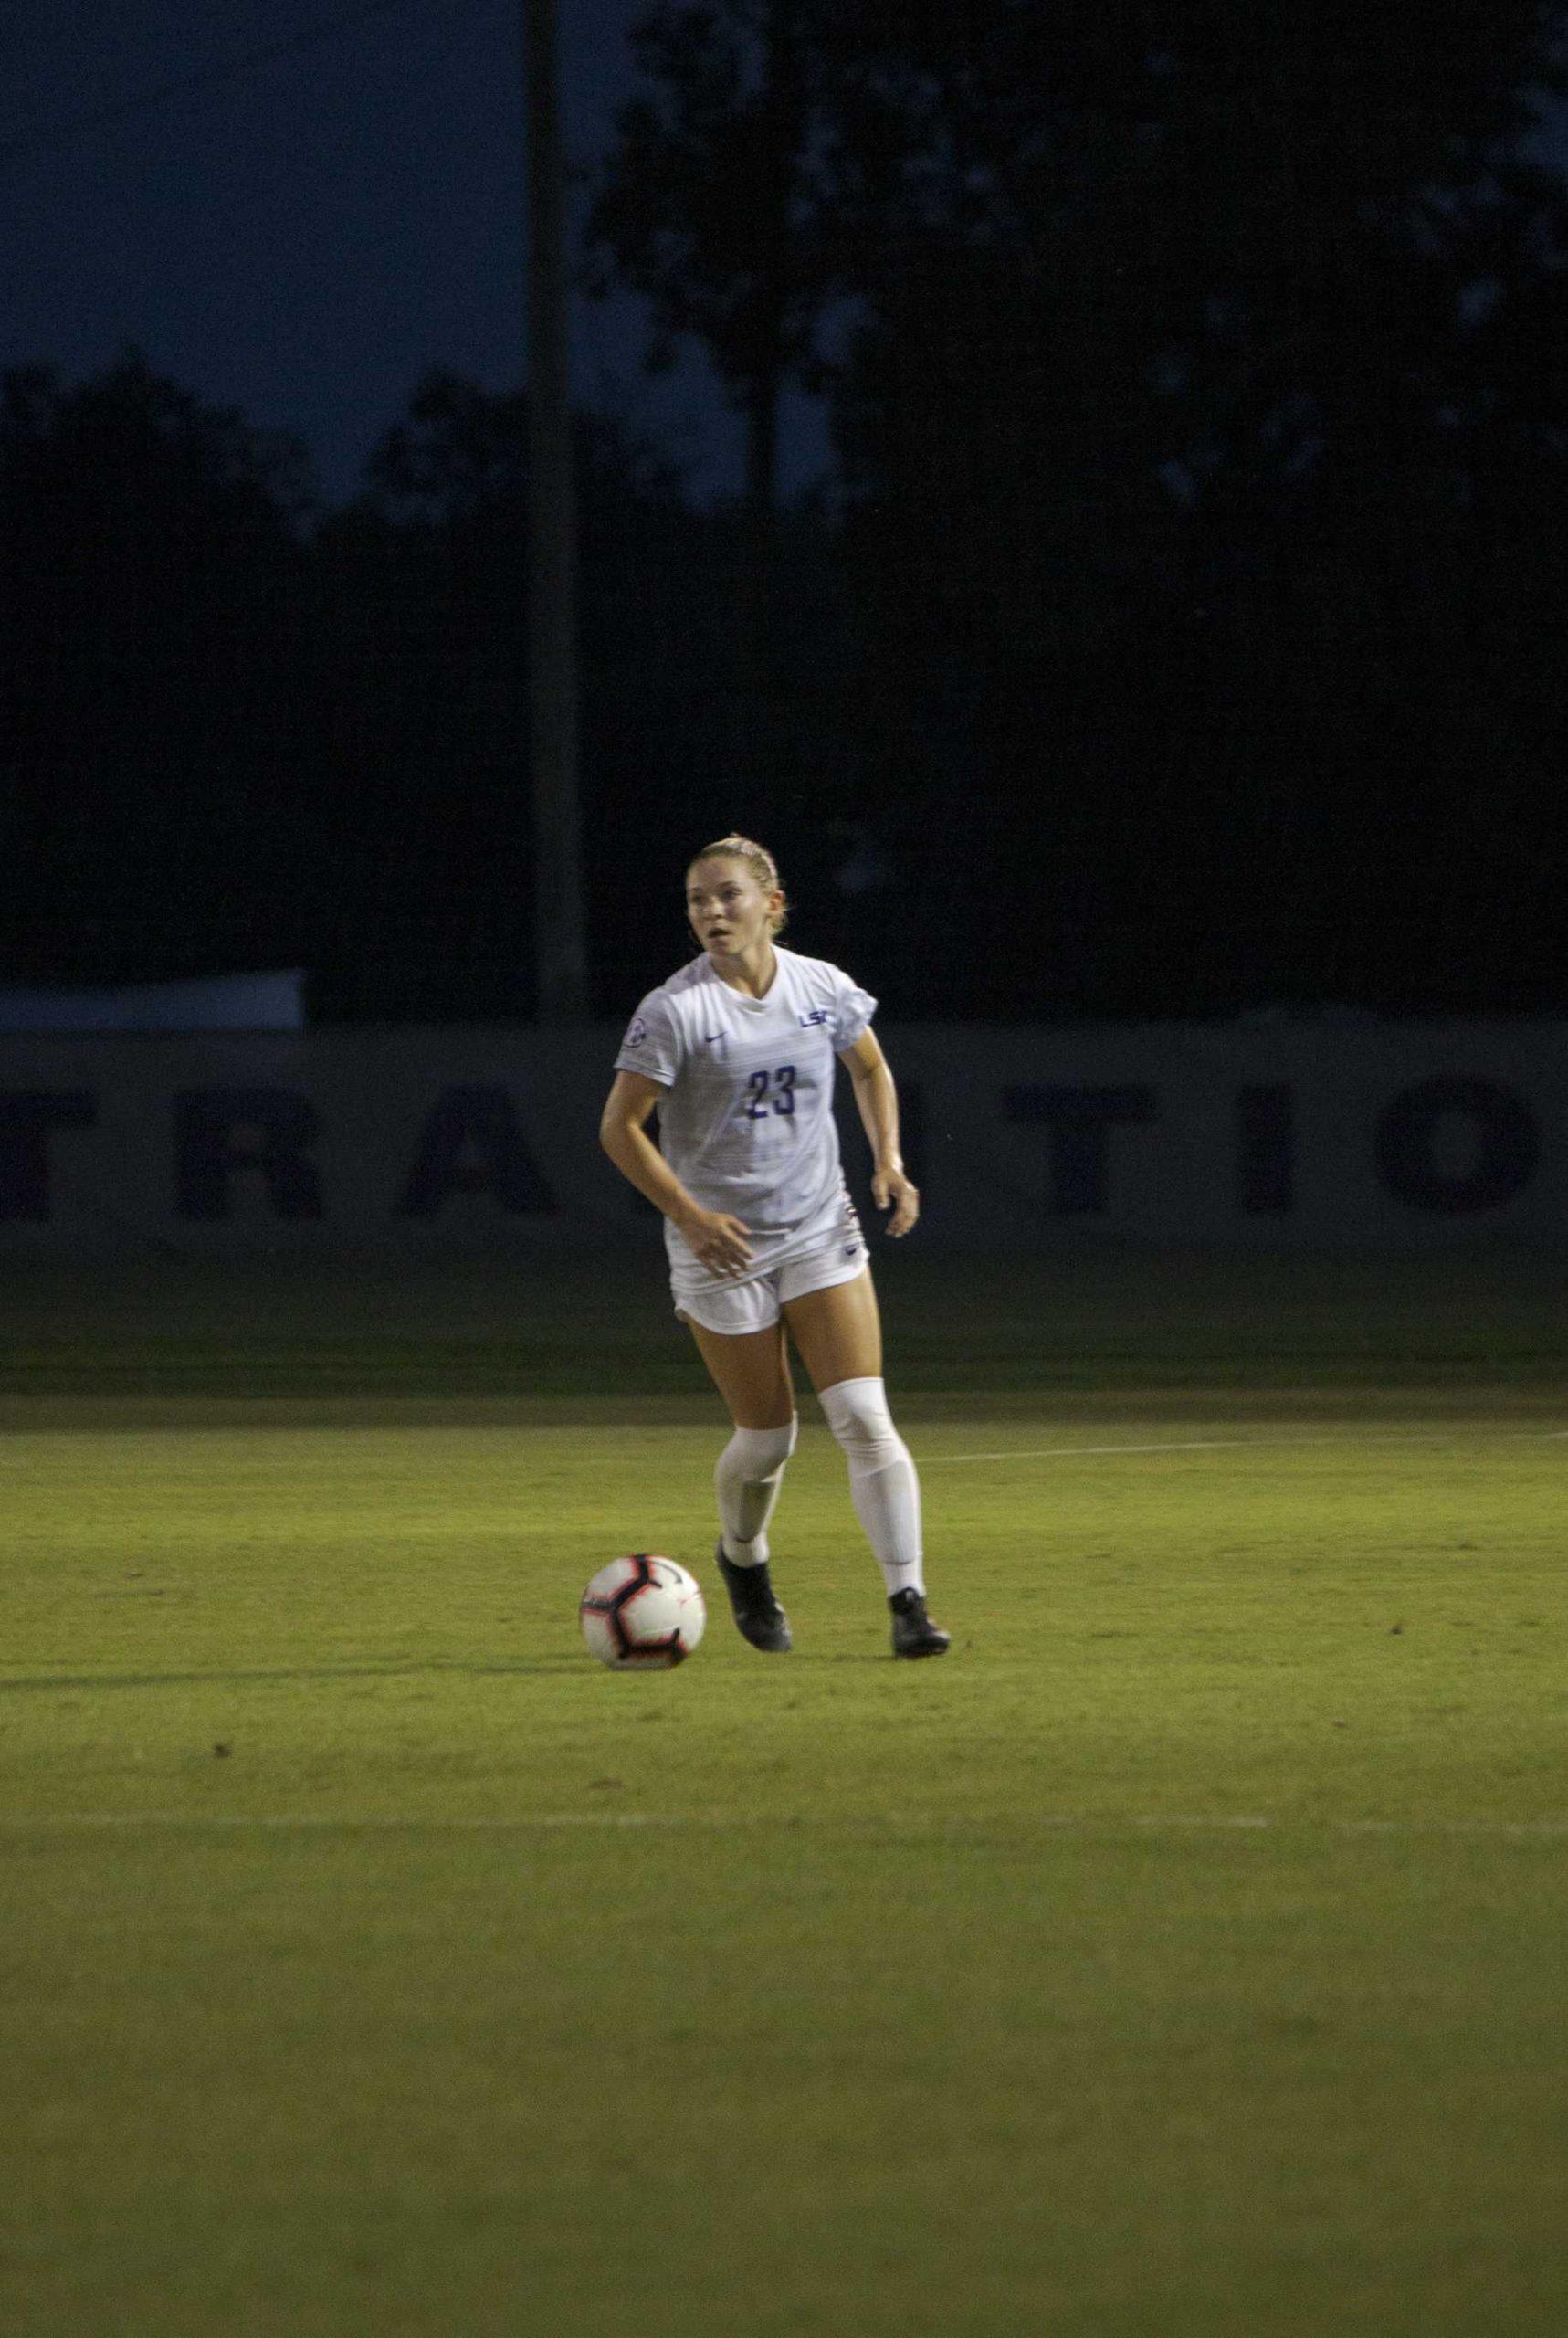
{"x":1080,"y":1121}
{"x":27,"y":1117}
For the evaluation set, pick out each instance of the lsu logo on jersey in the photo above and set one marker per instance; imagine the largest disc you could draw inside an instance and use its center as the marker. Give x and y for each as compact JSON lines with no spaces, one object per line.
{"x":817,"y":1015}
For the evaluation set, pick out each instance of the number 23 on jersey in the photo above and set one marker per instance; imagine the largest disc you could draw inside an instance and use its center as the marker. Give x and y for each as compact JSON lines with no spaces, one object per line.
{"x":771,"y":1092}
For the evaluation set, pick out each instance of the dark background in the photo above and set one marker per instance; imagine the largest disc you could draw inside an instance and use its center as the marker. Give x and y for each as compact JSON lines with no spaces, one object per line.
{"x":1103,"y":526}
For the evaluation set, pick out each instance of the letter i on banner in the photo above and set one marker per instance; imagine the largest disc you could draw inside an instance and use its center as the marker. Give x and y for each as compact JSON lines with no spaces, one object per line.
{"x":1264,"y":1150}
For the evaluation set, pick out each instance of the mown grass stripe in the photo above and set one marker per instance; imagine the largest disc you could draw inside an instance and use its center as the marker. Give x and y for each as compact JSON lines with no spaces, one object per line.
{"x":1351,"y":1437}
{"x":284,"y":1822}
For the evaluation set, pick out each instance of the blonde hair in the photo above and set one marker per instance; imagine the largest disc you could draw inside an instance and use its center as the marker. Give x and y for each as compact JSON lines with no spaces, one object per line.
{"x":758,"y":859}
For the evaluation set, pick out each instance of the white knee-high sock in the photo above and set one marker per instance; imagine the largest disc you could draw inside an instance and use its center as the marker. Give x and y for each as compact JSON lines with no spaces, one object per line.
{"x":882,"y":1482}
{"x":748,"y":1477}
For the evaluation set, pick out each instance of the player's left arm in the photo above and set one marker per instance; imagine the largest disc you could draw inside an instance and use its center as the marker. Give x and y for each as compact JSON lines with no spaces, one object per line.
{"x":877,"y":1101}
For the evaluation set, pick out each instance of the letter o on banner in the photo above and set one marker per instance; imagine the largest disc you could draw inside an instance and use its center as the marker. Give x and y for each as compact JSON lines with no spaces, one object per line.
{"x":1507,"y":1146}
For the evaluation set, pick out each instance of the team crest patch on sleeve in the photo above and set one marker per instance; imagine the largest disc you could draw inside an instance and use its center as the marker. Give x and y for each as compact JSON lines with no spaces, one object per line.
{"x":638,"y":1033}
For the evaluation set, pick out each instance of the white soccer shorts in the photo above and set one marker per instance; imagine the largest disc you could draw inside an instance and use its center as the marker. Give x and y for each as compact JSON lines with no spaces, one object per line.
{"x":725,"y":1305}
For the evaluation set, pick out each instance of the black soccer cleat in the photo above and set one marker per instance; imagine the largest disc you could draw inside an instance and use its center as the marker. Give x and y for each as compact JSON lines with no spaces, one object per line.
{"x":758,"y":1616}
{"x":914,"y":1634}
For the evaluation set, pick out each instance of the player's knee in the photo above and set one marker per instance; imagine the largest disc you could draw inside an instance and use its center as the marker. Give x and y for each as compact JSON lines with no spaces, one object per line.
{"x":857,"y":1415}
{"x":753,"y":1454}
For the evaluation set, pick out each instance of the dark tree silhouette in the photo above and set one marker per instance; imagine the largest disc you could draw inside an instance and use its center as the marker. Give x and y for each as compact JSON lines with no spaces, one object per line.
{"x":1204,"y":487}
{"x":1206,"y":501}
{"x":709,"y":203}
{"x":233,"y":732}
{"x":1187,"y":622}
{"x":155,"y":674}
{"x":427,"y":572}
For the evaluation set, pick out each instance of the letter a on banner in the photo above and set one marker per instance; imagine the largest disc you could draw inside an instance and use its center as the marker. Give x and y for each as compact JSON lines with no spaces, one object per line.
{"x":472,"y":1144}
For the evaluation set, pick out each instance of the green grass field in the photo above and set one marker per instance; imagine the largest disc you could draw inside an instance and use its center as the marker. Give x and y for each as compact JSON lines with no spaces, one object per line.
{"x":1183,"y":1955}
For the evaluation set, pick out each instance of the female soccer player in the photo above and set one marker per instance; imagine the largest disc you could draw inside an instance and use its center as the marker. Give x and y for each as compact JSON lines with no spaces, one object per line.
{"x":737,"y":1051}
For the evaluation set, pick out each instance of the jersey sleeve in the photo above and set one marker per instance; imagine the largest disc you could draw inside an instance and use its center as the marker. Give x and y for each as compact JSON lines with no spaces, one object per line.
{"x":652,"y":1044}
{"x":852,"y":1011}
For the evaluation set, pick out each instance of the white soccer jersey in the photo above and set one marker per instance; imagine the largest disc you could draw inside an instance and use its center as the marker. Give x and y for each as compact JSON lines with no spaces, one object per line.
{"x":746,"y":1123}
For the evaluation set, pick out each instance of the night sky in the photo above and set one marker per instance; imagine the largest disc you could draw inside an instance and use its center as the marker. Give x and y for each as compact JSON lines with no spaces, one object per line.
{"x":305,"y":236}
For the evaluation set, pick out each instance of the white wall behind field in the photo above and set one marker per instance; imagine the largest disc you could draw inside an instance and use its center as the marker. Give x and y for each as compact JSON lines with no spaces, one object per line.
{"x":1329,"y":1134}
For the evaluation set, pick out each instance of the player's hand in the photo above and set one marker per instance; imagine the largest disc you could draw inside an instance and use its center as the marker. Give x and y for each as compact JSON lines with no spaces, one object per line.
{"x":890,"y":1189}
{"x":720,"y":1241}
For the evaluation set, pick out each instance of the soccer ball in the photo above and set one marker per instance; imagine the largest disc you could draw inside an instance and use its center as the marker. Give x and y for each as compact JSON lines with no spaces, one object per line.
{"x":642,"y":1612}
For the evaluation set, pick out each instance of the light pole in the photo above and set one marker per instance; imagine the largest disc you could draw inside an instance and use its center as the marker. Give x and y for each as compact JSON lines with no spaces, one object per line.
{"x":560,"y":958}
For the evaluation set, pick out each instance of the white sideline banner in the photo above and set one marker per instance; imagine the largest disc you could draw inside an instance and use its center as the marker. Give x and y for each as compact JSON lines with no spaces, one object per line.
{"x":1332,"y":1134}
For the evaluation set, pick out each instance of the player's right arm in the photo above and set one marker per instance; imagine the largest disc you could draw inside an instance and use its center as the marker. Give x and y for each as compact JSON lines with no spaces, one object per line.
{"x":717,"y":1240}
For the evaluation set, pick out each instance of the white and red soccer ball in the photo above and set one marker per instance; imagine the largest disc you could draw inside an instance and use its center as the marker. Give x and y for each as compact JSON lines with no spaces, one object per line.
{"x":641,"y":1613}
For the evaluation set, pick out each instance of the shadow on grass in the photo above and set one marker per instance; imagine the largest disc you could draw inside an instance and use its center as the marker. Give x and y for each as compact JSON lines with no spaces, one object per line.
{"x":496,"y":1669}
{"x":66,"y":1681}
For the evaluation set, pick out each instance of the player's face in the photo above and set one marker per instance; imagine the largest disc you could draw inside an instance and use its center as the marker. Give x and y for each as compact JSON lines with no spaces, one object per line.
{"x":729,"y":910}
